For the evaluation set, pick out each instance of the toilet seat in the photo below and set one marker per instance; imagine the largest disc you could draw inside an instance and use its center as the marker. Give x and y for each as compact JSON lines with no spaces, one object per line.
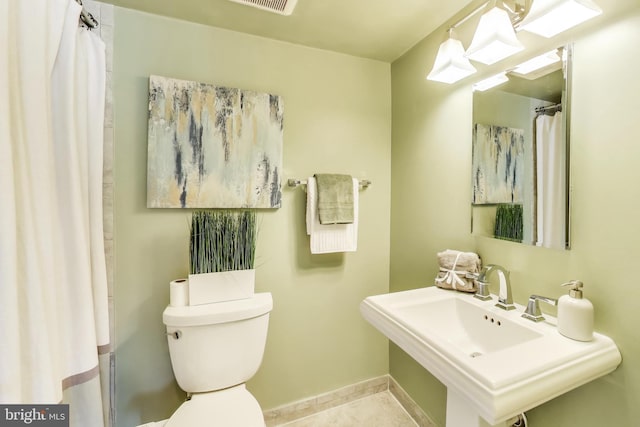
{"x":232,"y":407}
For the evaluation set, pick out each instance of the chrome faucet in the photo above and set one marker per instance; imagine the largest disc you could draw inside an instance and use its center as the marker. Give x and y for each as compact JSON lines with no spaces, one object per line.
{"x":482,"y":293}
{"x":533,"y":307}
{"x":505,"y":300}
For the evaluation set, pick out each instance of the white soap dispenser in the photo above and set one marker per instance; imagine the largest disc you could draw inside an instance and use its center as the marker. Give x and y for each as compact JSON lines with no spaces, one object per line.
{"x":575,"y":313}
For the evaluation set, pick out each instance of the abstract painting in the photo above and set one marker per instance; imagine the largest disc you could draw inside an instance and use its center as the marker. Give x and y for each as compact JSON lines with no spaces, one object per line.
{"x":212,"y":146}
{"x":498,"y":165}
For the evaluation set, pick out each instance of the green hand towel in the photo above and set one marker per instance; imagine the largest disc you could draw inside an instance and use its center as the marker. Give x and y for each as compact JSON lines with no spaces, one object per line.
{"x":335,"y":198}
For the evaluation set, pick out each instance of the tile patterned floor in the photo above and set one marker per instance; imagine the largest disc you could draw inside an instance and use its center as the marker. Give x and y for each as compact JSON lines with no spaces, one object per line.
{"x":378,"y":410}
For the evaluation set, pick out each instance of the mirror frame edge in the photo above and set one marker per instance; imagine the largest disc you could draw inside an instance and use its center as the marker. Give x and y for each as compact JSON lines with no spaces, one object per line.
{"x":568,"y":82}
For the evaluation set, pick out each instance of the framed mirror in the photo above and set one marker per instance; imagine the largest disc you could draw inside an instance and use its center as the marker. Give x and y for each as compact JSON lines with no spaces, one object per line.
{"x":520,"y":160}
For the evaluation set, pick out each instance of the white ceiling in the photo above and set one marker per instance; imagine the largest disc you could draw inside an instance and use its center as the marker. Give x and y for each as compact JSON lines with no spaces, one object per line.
{"x":376,"y":29}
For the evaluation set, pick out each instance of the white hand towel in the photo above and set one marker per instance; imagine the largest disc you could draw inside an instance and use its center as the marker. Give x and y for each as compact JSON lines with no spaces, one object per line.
{"x":335,"y":237}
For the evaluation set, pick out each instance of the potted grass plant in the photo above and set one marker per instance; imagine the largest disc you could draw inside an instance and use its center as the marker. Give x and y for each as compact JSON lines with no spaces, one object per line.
{"x":509,"y":224}
{"x":222,"y":246}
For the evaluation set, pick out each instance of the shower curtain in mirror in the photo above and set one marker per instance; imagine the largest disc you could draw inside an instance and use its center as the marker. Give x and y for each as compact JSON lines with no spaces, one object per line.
{"x":54,"y":327}
{"x":551,"y":181}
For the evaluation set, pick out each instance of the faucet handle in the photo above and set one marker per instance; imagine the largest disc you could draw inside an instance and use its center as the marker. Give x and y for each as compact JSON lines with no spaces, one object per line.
{"x":483,"y":287}
{"x":532,"y":311}
{"x":483,"y":291}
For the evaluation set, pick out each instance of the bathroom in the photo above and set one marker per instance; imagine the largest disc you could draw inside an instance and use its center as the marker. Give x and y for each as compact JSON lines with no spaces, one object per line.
{"x":377,"y":119}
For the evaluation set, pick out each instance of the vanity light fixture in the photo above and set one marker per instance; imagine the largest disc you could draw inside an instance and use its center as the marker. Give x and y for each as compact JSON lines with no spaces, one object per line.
{"x":537,"y":63}
{"x":550,"y":17}
{"x":451,"y":65}
{"x":490,"y":82}
{"x":495,"y":38}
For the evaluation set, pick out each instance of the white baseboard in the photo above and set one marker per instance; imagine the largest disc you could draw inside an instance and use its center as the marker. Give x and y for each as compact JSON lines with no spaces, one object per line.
{"x":410,"y":405}
{"x":154,"y":424}
{"x":322,"y":402}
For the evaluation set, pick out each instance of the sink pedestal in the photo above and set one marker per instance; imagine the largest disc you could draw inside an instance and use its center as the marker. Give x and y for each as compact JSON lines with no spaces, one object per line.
{"x":461,"y":414}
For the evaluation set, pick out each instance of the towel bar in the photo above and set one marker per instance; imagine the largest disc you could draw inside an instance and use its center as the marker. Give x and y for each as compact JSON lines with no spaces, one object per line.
{"x":292,"y":182}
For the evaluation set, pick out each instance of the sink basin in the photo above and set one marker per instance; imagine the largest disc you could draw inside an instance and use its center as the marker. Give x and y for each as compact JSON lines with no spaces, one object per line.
{"x":493,"y":362}
{"x":468,"y":327}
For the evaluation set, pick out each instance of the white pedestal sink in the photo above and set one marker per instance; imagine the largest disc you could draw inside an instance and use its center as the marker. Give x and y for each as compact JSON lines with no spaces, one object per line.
{"x":494,"y":363}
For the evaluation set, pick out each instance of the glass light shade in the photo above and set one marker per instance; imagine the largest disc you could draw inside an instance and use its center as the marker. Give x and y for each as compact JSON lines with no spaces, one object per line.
{"x":494,"y":39}
{"x":550,"y":17}
{"x":490,"y":82}
{"x":450,"y":64}
{"x":538,"y":62}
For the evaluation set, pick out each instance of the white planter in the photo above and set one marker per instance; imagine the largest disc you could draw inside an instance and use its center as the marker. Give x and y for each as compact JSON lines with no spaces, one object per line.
{"x":207,"y":288}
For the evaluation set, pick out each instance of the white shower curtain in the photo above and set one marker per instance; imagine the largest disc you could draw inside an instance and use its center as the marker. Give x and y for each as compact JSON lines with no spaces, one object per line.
{"x":551,"y":181}
{"x":53,"y":294}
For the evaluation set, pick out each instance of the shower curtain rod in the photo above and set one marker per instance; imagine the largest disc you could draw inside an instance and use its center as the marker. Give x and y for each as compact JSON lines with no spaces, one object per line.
{"x":86,"y":17}
{"x":557,"y":107}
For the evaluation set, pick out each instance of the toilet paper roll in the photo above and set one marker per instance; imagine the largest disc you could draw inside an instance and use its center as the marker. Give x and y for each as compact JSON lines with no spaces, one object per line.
{"x":179,"y":293}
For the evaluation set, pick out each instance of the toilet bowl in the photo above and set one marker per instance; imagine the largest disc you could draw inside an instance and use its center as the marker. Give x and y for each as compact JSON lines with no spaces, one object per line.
{"x":215,"y":348}
{"x":232,"y":407}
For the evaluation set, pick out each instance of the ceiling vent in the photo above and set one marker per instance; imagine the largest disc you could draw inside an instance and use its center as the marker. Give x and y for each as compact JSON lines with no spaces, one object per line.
{"x":282,"y":7}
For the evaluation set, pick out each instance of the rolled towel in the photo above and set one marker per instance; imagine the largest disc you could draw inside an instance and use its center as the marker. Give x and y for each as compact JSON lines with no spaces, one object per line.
{"x":454,"y":266}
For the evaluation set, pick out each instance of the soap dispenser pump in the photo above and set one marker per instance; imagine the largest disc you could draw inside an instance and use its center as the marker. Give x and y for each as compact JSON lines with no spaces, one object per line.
{"x":575,"y":313}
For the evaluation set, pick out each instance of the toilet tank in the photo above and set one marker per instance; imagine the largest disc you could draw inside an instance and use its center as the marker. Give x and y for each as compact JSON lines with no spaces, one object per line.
{"x":215,"y":346}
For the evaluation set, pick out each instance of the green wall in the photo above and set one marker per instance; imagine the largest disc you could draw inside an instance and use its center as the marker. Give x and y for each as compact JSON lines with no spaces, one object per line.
{"x":431,"y":157}
{"x":337,"y":119}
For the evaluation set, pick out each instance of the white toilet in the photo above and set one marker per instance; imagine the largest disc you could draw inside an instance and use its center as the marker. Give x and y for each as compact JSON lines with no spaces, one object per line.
{"x":215,"y":349}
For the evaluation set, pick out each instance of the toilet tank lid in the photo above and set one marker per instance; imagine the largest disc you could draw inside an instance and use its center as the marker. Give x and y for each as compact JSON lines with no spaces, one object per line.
{"x":220,"y":312}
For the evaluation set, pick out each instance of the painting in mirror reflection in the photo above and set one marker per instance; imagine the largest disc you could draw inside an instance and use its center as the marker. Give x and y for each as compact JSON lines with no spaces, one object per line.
{"x":519,"y":164}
